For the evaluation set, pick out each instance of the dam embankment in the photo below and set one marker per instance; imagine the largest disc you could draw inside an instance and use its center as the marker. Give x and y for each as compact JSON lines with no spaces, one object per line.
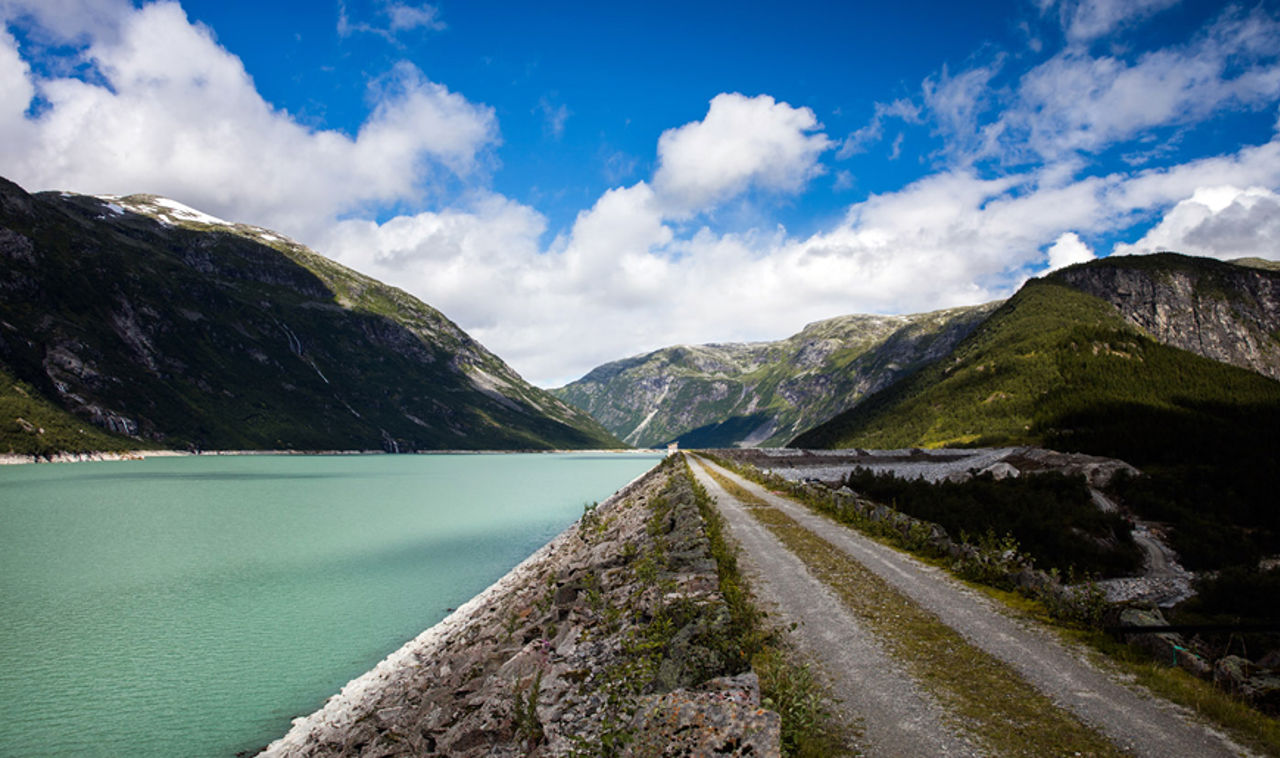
{"x":613,"y":635}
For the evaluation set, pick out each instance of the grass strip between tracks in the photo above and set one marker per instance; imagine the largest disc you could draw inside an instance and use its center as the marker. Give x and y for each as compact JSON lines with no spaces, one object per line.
{"x":988,"y":698}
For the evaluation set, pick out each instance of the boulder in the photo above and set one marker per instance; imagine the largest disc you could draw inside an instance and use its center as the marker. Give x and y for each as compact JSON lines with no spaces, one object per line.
{"x":1163,"y":646}
{"x":1231,"y":673}
{"x":1001,"y":470}
{"x":722,"y":717}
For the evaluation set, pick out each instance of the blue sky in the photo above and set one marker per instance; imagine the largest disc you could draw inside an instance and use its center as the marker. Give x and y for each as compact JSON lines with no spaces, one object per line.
{"x":575,"y":184}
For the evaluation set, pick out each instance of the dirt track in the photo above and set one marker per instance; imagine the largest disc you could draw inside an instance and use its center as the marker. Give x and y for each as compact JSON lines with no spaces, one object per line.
{"x":899,"y":716}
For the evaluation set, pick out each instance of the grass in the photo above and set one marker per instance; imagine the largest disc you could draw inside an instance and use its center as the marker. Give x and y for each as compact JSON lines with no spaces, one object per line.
{"x":1245,"y":724}
{"x":986,"y":695}
{"x":1061,"y":369}
{"x":31,"y":425}
{"x":810,"y":728}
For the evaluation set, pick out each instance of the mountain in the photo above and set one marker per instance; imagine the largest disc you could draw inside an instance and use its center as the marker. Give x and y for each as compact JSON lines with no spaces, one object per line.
{"x":1152,"y":331}
{"x":1229,"y":312}
{"x":763,"y":393}
{"x":165,"y":327}
{"x":1061,"y":368}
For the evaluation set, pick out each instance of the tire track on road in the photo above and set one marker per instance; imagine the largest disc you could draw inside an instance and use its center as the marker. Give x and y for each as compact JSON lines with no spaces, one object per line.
{"x":1136,"y":723}
{"x":897,"y":717}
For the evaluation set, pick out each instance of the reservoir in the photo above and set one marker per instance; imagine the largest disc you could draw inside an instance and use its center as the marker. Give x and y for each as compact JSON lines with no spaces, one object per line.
{"x":194,"y":606}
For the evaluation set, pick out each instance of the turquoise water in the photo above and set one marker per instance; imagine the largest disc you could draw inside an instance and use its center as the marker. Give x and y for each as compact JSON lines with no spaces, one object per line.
{"x":194,"y":606}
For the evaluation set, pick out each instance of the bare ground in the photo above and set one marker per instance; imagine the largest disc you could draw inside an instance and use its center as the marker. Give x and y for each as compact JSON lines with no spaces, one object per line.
{"x":1134,"y":721}
{"x":896,"y":717}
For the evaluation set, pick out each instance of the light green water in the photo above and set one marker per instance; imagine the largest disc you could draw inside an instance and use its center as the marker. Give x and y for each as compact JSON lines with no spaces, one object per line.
{"x":194,"y":606}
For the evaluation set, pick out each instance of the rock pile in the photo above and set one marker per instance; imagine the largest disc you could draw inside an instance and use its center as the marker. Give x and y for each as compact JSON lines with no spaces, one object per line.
{"x":611,"y":639}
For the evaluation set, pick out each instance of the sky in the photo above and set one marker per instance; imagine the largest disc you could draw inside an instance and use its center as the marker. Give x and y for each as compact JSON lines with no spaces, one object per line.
{"x":573,"y":183}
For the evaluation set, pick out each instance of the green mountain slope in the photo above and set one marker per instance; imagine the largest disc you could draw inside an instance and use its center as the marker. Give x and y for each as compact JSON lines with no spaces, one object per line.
{"x":155,"y":321}
{"x":763,"y":393}
{"x":1060,"y":368}
{"x":1229,"y":312}
{"x":31,"y":425}
{"x":1034,"y":372}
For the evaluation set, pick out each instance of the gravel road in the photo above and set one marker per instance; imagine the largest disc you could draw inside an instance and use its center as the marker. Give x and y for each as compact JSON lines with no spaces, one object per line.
{"x":897,"y":717}
{"x":1135,"y":722}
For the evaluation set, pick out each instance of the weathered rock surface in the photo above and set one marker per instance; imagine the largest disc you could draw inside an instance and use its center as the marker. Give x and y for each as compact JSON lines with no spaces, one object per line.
{"x":721,"y":717}
{"x":1223,"y":311}
{"x":620,"y":613}
{"x":764,"y":393}
{"x":932,"y":465}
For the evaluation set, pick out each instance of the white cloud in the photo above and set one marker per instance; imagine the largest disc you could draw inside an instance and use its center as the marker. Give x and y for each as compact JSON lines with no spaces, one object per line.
{"x":1068,"y":249}
{"x":1219,"y":222}
{"x":405,"y":16}
{"x":554,"y":117}
{"x":16,"y":90}
{"x":1087,"y":20}
{"x":61,"y":21}
{"x":178,"y":115}
{"x":742,"y":142}
{"x":174,"y":113}
{"x":956,"y":105}
{"x":397,"y":17}
{"x":859,"y":140}
{"x":1078,"y":103}
{"x":1075,"y":102}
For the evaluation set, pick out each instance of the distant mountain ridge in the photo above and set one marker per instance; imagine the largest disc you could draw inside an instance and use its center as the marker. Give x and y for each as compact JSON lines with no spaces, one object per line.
{"x":168,"y":327}
{"x":763,"y":393}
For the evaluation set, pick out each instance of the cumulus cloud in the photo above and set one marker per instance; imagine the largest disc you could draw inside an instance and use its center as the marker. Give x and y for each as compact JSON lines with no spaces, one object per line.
{"x":1075,"y":102}
{"x":1219,"y":222}
{"x":62,"y":21}
{"x":743,"y":142}
{"x":16,"y":89}
{"x":176,"y":114}
{"x":1068,"y":249}
{"x":644,"y":266}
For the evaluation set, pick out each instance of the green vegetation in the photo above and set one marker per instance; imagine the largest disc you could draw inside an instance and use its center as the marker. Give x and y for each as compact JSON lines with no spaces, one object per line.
{"x":1079,"y":619}
{"x":718,"y":395}
{"x":1248,"y":726}
{"x":1051,"y":516}
{"x":222,"y":337}
{"x":1059,"y":368}
{"x":30,"y":425}
{"x":988,"y":559}
{"x":1046,"y":365}
{"x":986,"y":693}
{"x":809,"y":727}
{"x":1261,"y":263}
{"x":671,"y":639}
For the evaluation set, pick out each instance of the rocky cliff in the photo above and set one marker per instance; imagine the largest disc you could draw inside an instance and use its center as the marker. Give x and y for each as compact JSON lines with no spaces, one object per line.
{"x":166,"y":326}
{"x":1229,"y":312}
{"x":763,"y":393}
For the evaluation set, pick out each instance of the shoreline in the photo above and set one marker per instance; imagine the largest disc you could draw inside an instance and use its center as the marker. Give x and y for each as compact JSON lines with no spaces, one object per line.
{"x":14,"y":459}
{"x":352,"y":701}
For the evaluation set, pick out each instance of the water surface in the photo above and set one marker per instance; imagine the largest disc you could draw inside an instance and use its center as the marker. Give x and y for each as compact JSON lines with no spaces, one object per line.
{"x":193,"y":606}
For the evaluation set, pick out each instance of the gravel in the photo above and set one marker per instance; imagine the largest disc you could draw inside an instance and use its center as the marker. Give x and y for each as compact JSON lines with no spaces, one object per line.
{"x":898,"y":717}
{"x":1133,"y":720}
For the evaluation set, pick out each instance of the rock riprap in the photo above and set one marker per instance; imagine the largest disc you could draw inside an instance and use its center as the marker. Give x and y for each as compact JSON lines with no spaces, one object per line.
{"x":612,"y":638}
